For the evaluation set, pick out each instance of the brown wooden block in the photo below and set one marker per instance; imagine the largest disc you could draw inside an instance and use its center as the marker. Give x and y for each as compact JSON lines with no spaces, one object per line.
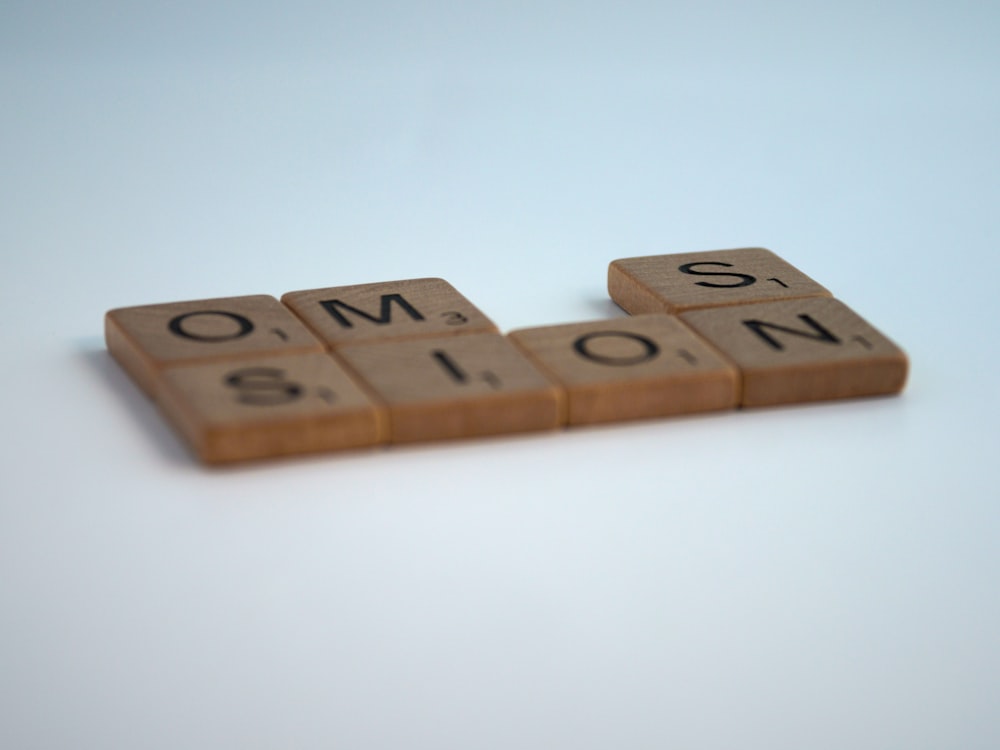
{"x":802,"y":350}
{"x":456,"y":386}
{"x":386,"y":311}
{"x":269,"y":406}
{"x":645,"y":366}
{"x":690,"y":281}
{"x":148,"y":338}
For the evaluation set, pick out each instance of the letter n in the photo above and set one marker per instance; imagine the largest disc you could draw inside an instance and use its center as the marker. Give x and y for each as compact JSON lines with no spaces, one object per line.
{"x":818,"y":333}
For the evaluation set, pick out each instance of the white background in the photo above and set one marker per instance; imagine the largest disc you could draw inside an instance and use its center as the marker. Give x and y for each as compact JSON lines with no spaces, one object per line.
{"x":822,"y":576}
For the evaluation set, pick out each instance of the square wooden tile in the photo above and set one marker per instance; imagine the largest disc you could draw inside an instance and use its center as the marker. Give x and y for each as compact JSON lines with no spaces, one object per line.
{"x":148,"y":338}
{"x":269,"y":406}
{"x":456,"y":386}
{"x":690,"y":281}
{"x":644,"y":366}
{"x":387,"y":311}
{"x":802,"y":350}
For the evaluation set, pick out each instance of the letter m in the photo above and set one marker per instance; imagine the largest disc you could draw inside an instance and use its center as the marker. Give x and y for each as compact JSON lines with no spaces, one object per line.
{"x":338,"y":308}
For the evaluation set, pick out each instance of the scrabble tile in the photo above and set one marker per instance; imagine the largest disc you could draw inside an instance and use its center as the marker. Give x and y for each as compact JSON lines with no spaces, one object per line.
{"x":802,"y":350}
{"x":690,"y":281}
{"x":148,"y":338}
{"x":645,"y":366}
{"x":456,"y":386}
{"x":268,"y":406}
{"x":387,"y":311}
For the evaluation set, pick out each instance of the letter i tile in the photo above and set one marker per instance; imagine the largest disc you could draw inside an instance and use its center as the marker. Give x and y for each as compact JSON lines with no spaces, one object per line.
{"x":630,"y":368}
{"x":456,"y":386}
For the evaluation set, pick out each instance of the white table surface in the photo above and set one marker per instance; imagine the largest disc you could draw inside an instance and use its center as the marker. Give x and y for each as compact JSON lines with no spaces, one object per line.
{"x":820,"y":576}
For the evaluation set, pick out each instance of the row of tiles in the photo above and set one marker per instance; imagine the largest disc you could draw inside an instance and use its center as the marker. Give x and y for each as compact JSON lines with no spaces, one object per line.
{"x":343,"y":367}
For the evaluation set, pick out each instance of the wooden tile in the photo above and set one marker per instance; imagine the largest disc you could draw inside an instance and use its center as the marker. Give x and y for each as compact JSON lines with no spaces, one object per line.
{"x":645,"y":366}
{"x":802,"y":350}
{"x":456,"y":386}
{"x":690,"y":281}
{"x":148,"y":338}
{"x":269,"y":406}
{"x":387,"y":311}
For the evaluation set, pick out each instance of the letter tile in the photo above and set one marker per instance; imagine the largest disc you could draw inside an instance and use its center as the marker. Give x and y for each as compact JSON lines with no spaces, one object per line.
{"x":456,"y":386}
{"x":387,"y":311}
{"x":690,"y":281}
{"x":802,"y":350}
{"x":149,"y":338}
{"x":269,"y":406}
{"x":631,"y":368}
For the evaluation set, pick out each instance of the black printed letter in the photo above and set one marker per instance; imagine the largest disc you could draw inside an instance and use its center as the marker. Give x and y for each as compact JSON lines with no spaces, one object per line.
{"x":744,"y":279}
{"x":649,"y":348}
{"x":263,"y":386}
{"x":450,"y":366}
{"x":821,"y":334}
{"x":334,"y":307}
{"x":176,"y":326}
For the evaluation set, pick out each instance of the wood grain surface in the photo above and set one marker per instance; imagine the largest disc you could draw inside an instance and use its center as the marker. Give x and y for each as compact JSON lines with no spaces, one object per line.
{"x":414,"y":360}
{"x":456,"y":387}
{"x":269,"y":406}
{"x":802,"y":350}
{"x":387,"y":311}
{"x":631,"y":368}
{"x":148,"y":338}
{"x":689,"y":281}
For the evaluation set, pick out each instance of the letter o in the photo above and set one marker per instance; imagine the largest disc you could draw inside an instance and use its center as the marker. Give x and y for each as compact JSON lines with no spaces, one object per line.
{"x":649,"y":348}
{"x":176,"y":326}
